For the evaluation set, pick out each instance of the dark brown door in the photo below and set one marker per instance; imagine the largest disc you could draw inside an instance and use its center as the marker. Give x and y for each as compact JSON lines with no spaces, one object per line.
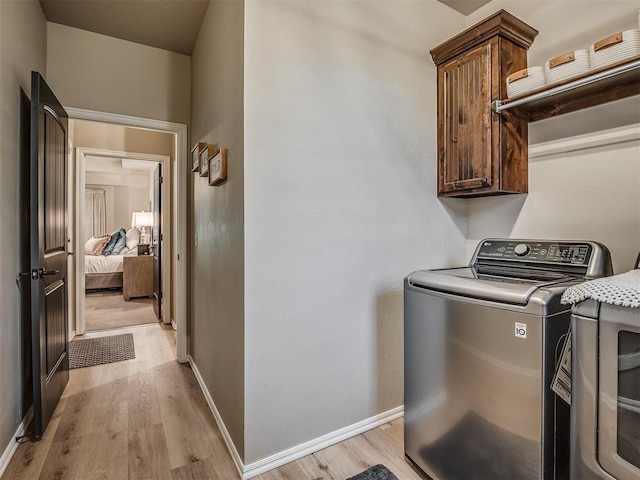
{"x":156,"y":238}
{"x":48,"y":237}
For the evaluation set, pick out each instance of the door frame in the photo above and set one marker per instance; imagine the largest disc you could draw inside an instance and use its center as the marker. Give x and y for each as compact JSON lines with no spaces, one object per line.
{"x":178,"y":174}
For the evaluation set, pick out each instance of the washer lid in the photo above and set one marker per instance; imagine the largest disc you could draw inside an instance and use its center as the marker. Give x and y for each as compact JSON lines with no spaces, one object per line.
{"x":502,"y":285}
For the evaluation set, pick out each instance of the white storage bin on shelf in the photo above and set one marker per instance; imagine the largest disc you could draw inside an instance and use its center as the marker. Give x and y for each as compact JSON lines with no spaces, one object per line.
{"x":567,"y":66}
{"x":525,"y":80}
{"x":615,"y":48}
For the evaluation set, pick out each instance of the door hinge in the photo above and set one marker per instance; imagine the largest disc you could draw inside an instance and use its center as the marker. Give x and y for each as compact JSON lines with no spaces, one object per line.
{"x":161,"y":179}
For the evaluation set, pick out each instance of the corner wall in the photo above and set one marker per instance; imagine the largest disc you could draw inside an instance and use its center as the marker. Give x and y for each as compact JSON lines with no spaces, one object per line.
{"x":216,"y":303}
{"x":23,"y":48}
{"x":340,"y":205}
{"x":590,"y":193}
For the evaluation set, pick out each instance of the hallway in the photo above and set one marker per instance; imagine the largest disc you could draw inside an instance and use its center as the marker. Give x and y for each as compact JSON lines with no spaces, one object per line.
{"x":147,"y":418}
{"x":140,"y":419}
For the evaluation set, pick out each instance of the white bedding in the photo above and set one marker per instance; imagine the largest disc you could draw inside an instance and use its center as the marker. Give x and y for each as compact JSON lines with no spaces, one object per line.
{"x":102,"y":264}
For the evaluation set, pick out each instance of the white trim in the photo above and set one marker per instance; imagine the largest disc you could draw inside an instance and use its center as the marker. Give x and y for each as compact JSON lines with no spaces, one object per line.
{"x":216,"y":415}
{"x":10,"y":451}
{"x":82,"y":153}
{"x":106,"y":117}
{"x":582,"y":142}
{"x":179,"y":233}
{"x":101,"y":152}
{"x":294,"y":453}
{"x":79,"y":245}
{"x":274,"y":461}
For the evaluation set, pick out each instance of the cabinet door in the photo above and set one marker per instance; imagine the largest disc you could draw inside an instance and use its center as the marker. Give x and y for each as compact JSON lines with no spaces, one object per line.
{"x":464,"y":122}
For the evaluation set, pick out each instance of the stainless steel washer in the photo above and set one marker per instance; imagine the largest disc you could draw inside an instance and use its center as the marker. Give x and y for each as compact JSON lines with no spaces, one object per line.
{"x":481,"y":344}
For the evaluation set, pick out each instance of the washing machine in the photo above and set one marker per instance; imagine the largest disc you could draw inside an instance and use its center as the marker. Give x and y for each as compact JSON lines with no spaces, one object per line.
{"x":480,"y":349}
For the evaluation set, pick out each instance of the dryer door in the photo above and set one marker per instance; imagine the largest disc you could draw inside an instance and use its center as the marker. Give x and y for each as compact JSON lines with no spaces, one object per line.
{"x":619,"y":392}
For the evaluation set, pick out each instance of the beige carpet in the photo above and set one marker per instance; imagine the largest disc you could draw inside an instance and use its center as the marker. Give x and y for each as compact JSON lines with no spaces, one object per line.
{"x":108,"y":310}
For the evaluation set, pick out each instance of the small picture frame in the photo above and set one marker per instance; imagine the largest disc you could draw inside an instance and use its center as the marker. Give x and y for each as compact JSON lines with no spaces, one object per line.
{"x":218,"y":167}
{"x":206,"y":152}
{"x":195,"y":156}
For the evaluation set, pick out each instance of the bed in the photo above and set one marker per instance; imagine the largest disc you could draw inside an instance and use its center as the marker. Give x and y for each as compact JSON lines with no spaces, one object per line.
{"x":102,"y":272}
{"x":103,"y":259}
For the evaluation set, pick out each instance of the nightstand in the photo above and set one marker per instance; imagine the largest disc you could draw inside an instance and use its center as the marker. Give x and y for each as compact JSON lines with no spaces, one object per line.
{"x":137,"y":276}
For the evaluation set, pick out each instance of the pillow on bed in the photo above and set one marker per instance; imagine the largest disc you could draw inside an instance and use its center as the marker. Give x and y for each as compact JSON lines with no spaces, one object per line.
{"x":133,"y":238}
{"x":116,"y":243}
{"x":111,"y":241}
{"x":90,"y":245}
{"x":102,"y":242}
{"x":120,"y":243}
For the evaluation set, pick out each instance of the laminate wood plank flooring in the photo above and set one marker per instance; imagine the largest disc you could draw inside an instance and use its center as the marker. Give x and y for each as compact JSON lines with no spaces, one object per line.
{"x":146,"y":418}
{"x":383,"y":445}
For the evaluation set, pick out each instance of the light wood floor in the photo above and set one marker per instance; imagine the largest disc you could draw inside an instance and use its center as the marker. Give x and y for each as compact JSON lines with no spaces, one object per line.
{"x":107,"y":310}
{"x":147,"y":419}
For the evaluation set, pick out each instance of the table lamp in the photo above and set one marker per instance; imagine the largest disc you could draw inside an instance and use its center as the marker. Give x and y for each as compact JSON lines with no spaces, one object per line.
{"x":141,"y":220}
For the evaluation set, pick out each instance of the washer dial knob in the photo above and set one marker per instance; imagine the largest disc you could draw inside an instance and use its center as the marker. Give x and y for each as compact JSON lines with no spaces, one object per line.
{"x":521,"y":249}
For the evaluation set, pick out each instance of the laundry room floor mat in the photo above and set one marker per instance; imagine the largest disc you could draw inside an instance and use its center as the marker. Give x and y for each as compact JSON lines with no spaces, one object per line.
{"x":101,"y":350}
{"x":377,"y":472}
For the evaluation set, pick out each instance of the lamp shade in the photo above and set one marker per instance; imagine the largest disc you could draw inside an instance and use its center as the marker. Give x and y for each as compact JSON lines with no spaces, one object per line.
{"x":142,"y":219}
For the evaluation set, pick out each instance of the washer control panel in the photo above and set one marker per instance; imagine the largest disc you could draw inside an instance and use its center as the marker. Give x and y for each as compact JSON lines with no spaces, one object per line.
{"x":536,"y":251}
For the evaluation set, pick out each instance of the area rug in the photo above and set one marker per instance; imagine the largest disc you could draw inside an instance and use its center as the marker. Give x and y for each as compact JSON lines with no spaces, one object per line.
{"x":377,"y":472}
{"x":101,"y":350}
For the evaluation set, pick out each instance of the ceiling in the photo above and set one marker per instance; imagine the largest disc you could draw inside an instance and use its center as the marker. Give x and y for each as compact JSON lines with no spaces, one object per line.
{"x":465,"y":6}
{"x":168,"y":24}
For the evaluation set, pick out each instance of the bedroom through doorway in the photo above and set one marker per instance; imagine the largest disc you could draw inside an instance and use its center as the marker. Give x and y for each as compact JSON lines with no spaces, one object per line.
{"x":122,"y":224}
{"x":119,"y":225}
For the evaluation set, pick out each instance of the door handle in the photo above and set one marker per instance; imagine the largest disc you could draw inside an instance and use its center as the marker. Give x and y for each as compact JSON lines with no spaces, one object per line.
{"x":44,"y":273}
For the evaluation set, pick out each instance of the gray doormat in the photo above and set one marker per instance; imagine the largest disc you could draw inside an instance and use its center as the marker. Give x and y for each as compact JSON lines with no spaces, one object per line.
{"x":377,"y":472}
{"x":101,"y":350}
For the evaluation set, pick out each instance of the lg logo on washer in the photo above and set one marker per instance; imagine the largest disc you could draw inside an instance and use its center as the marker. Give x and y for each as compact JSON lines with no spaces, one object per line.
{"x":521,"y":330}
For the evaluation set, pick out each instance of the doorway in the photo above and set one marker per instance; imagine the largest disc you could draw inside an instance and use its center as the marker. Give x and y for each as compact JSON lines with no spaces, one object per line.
{"x":174,"y":215}
{"x":123,"y":235}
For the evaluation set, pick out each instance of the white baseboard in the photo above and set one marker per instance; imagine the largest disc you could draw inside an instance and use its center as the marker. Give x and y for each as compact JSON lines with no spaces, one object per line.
{"x":10,"y":451}
{"x":291,"y":454}
{"x":256,"y":468}
{"x":216,"y":415}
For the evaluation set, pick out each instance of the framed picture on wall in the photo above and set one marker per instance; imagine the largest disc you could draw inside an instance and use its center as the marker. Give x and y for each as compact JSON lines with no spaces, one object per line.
{"x":218,"y":167}
{"x":195,"y":156}
{"x":206,"y":152}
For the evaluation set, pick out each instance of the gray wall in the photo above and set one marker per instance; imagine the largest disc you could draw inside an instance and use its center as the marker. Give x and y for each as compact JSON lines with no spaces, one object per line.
{"x":217,"y":215}
{"x":120,"y":138}
{"x":106,"y":74}
{"x":340,"y":205}
{"x":23,"y":44}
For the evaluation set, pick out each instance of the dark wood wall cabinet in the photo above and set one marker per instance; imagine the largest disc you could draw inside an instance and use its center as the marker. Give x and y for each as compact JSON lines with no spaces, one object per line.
{"x":480,"y":151}
{"x":482,"y":135}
